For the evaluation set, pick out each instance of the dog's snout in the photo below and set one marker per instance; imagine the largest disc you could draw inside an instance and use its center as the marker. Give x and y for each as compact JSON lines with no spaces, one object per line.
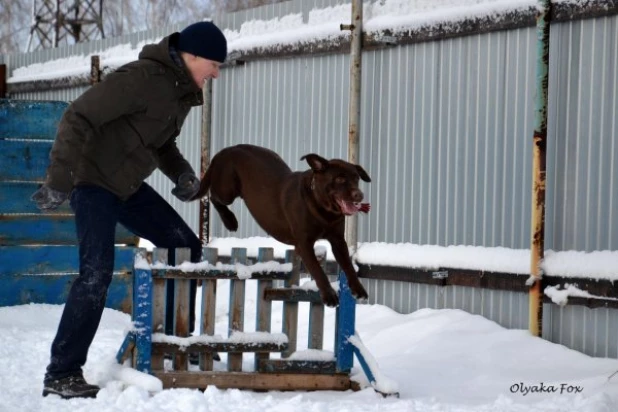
{"x":357,"y":195}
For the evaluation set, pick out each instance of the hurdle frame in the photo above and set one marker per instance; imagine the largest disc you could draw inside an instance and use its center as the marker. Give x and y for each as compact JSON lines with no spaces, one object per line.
{"x":145,"y":348}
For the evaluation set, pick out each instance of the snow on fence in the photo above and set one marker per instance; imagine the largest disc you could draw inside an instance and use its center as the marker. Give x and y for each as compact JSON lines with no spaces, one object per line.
{"x":147,"y":348}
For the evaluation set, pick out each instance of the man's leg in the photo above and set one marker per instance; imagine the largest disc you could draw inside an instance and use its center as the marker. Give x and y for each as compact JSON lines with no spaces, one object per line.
{"x":149,"y":216}
{"x":95,"y":218}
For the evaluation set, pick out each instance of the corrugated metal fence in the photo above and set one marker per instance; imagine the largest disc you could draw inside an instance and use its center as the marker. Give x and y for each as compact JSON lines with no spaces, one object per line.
{"x":446,"y":136}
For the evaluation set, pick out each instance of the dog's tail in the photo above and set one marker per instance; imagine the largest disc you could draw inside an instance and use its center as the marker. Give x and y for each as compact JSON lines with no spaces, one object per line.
{"x":204,"y":186}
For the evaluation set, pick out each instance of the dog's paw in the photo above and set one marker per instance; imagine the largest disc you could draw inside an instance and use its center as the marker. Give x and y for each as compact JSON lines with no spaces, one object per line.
{"x":230,"y":223}
{"x":359,"y":292}
{"x":329,"y":297}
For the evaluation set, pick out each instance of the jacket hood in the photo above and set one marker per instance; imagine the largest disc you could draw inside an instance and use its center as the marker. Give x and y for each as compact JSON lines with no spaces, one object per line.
{"x":160,"y":53}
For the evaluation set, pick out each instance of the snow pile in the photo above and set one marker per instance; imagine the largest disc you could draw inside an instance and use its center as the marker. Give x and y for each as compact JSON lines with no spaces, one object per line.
{"x":313,"y":355}
{"x":560,"y":296}
{"x":236,"y":337}
{"x":595,"y":265}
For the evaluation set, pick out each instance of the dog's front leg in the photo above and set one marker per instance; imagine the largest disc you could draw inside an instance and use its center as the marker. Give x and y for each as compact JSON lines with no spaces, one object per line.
{"x":342,"y":256}
{"x":327,"y":293}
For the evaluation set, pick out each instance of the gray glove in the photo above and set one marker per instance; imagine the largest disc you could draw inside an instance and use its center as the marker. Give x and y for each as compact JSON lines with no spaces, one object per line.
{"x":47,"y":198}
{"x":187,"y":187}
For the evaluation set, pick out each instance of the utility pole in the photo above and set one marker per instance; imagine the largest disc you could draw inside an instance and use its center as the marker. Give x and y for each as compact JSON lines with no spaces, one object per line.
{"x":55,"y":22}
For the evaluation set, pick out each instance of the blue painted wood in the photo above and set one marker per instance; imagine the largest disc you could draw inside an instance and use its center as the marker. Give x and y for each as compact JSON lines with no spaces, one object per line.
{"x":236,"y":315}
{"x":142,"y":317}
{"x":24,"y":159}
{"x":54,"y":289}
{"x":15,"y":198}
{"x":346,"y":319}
{"x":48,"y":230}
{"x":361,"y":359}
{"x":15,"y":260}
{"x":129,"y":340}
{"x":30,"y":119}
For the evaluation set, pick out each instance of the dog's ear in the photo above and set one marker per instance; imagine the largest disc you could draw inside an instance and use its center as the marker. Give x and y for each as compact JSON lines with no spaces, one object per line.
{"x":317,"y":163}
{"x":363,"y":175}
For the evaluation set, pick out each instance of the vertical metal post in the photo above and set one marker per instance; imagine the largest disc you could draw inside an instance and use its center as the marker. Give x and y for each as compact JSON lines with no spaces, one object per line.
{"x":354,"y":107}
{"x":205,"y":160}
{"x":95,"y":69}
{"x":539,"y":154}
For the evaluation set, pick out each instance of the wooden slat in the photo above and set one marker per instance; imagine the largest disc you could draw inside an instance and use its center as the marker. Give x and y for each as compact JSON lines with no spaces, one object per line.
{"x":182,"y":296}
{"x":126,"y":349}
{"x":230,"y":347}
{"x":30,"y":119}
{"x":24,"y":160}
{"x":264,"y":306}
{"x":159,"y":298}
{"x":15,"y":198}
{"x":237,"y":309}
{"x":54,"y":289}
{"x":296,"y":366}
{"x":142,"y":317}
{"x":215,"y":274}
{"x":257,"y":381}
{"x":316,"y":326}
{"x":292,"y":295}
{"x":48,"y":230}
{"x":209,"y":305}
{"x":290,"y":309}
{"x":316,"y":318}
{"x":16,"y":260}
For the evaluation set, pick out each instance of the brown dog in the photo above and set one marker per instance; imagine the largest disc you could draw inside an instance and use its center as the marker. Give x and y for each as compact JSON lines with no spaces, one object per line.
{"x":296,"y":208}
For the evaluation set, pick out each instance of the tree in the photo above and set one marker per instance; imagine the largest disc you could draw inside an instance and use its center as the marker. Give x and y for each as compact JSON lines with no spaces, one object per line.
{"x":119,"y":17}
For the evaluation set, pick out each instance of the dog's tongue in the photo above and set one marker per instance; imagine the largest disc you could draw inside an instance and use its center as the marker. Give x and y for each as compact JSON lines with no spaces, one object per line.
{"x":349,"y":208}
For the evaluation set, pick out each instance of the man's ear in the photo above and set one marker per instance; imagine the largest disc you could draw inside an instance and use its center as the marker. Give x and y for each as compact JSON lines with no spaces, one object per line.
{"x":317,"y":163}
{"x":363,"y":175}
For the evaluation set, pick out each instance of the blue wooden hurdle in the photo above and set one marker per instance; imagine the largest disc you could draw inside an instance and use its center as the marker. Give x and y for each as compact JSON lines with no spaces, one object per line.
{"x":146,"y":349}
{"x":38,"y":252}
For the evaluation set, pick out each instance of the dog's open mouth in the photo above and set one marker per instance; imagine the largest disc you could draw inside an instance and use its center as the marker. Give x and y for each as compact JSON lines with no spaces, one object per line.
{"x":350,"y":208}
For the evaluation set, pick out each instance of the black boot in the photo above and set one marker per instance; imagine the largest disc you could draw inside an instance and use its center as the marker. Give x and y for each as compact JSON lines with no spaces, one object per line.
{"x":74,"y":386}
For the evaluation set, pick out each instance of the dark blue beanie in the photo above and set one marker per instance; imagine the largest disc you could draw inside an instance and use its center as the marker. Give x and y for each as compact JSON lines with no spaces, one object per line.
{"x":203,"y":39}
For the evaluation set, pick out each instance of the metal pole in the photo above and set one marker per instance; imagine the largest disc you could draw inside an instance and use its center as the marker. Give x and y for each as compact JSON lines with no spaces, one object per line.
{"x":205,"y":159}
{"x":95,"y":69}
{"x":539,"y":154}
{"x":354,"y":107}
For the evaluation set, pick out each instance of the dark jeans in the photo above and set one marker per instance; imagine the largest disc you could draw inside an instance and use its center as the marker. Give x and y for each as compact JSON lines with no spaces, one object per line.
{"x":97,"y":211}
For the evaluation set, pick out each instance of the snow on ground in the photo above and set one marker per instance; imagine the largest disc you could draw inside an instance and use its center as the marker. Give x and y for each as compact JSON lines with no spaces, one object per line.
{"x":441,"y":360}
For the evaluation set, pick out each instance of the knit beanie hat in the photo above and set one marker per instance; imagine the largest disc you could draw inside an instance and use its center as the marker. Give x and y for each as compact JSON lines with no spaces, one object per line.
{"x":203,"y":39}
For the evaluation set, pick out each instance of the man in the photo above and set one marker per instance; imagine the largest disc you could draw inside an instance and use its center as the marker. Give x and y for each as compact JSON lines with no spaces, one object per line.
{"x":109,"y":141}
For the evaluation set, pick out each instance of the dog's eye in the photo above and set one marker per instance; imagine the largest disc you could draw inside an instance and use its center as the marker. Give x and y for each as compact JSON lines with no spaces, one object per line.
{"x":340,"y":180}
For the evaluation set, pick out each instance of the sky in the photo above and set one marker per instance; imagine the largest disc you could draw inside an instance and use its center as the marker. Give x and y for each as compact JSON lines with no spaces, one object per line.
{"x":437,"y":360}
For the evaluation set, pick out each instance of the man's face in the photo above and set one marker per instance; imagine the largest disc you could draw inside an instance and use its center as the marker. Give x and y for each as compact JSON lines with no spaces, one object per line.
{"x":201,"y":69}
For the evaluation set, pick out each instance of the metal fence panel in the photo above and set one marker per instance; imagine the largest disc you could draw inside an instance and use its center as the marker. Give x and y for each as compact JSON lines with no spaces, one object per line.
{"x":446,"y":131}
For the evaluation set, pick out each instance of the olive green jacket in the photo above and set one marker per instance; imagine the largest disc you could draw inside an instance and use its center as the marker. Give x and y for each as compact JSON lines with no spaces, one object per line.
{"x":120,"y":130}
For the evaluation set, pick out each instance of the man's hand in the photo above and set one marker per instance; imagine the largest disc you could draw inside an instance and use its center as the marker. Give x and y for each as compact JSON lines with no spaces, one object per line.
{"x":187,"y":187}
{"x":47,"y":198}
